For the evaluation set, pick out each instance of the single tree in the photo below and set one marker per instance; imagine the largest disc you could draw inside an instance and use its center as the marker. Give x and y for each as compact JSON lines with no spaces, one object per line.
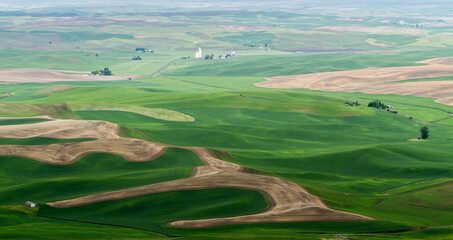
{"x":424,"y":132}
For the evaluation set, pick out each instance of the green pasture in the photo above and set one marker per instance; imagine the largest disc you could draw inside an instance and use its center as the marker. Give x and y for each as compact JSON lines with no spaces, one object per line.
{"x":390,"y":39}
{"x":157,"y":113}
{"x":67,"y":60}
{"x":85,"y":61}
{"x":268,"y":66}
{"x":29,"y":180}
{"x":446,"y":78}
{"x":17,"y":223}
{"x":249,"y":38}
{"x":84,"y":36}
{"x":74,"y":46}
{"x":21,"y":121}
{"x":357,"y":159}
{"x":151,"y":212}
{"x":302,"y":136}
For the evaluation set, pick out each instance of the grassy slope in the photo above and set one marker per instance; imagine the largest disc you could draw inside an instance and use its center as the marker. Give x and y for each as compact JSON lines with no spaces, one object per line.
{"x":292,"y":133}
{"x":21,"y":121}
{"x":17,"y":223}
{"x":435,"y":234}
{"x":120,"y":64}
{"x":24,"y":180}
{"x":298,"y":64}
{"x":153,"y":211}
{"x":258,"y":137}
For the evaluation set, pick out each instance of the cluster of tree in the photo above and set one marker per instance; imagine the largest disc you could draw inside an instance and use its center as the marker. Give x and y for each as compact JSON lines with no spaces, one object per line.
{"x":356,"y":103}
{"x":212,"y":56}
{"x":207,"y":57}
{"x":104,"y":72}
{"x":377,"y":104}
{"x":137,"y":58}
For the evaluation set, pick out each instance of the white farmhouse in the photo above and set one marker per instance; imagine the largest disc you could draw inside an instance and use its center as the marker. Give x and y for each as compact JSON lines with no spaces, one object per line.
{"x":30,"y":205}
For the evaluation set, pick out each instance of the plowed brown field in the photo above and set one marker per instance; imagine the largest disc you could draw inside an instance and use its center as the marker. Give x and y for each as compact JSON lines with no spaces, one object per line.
{"x":21,"y":75}
{"x":377,"y":80}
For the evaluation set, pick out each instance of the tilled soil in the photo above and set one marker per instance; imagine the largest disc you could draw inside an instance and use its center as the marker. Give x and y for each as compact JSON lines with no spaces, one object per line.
{"x":22,"y":75}
{"x":377,"y":81}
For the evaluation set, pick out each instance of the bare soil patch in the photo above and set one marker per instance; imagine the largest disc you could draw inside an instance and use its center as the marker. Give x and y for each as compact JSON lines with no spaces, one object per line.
{"x":377,"y":80}
{"x":62,"y":129}
{"x":21,"y":75}
{"x":415,"y":140}
{"x":289,"y":201}
{"x":64,"y":154}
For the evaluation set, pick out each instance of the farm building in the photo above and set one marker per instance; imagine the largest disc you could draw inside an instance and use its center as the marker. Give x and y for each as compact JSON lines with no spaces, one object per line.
{"x":29,"y":204}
